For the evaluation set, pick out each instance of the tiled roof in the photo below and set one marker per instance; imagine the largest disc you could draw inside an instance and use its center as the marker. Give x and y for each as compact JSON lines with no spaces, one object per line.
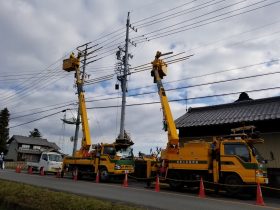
{"x":33,"y":141}
{"x":241,"y":111}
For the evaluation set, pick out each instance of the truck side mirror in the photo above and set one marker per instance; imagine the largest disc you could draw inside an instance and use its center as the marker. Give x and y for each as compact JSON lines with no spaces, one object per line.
{"x":271,"y":156}
{"x":253,"y":151}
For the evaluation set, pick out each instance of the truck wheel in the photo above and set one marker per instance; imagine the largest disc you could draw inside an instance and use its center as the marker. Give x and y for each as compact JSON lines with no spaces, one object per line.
{"x":235,"y":181}
{"x":62,"y":174}
{"x":104,"y":175}
{"x":76,"y":172}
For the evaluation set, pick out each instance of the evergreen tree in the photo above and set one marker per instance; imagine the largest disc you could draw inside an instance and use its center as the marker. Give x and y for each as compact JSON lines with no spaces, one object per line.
{"x":4,"y":129}
{"x":35,"y":133}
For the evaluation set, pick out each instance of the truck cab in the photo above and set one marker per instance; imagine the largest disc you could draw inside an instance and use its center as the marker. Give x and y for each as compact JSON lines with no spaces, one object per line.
{"x":113,"y":161}
{"x":238,"y":155}
{"x":49,"y":162}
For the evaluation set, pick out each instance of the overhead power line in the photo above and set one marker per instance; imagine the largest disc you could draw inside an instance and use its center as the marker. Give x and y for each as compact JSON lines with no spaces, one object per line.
{"x":46,"y":116}
{"x":200,"y":23}
{"x":173,"y":81}
{"x":189,"y":86}
{"x":180,"y":13}
{"x":26,"y":89}
{"x":39,"y":112}
{"x":155,"y":102}
{"x":158,"y":14}
{"x":194,"y":98}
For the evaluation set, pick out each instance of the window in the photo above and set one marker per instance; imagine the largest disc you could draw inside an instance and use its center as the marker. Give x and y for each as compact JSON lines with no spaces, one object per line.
{"x":36,"y":147}
{"x":109,"y":151}
{"x":54,"y":157}
{"x":256,"y":153}
{"x":241,"y":150}
{"x":25,"y":146}
{"x":45,"y":157}
{"x":125,"y":153}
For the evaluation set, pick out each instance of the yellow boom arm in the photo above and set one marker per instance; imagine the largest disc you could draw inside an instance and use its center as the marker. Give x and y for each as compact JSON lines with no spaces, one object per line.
{"x":158,"y":72}
{"x":73,"y":64}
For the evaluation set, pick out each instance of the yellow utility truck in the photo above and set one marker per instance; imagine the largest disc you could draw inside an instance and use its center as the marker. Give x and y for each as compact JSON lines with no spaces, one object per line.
{"x":228,"y":161}
{"x":107,"y":159}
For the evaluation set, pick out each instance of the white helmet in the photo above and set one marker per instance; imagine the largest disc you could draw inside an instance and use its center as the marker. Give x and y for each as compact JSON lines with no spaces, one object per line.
{"x":2,"y":153}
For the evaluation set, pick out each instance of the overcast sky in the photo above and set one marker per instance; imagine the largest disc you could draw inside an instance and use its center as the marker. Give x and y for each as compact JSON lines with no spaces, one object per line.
{"x":223,"y":35}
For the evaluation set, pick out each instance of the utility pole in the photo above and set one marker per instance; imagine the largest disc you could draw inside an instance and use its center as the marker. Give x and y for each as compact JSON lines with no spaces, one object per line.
{"x":82,"y":53}
{"x":123,"y":71}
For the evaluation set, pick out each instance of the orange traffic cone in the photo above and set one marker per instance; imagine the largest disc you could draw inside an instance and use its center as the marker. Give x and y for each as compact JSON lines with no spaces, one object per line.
{"x":201,"y":189}
{"x":157,"y":188}
{"x":75,"y":175}
{"x":259,"y":200}
{"x":125,"y":183}
{"x":42,"y":172}
{"x":29,"y":170}
{"x":97,"y":177}
{"x":18,"y":169}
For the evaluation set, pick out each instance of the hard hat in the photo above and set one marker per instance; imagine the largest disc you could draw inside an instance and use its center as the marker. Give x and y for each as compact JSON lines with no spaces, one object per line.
{"x":2,"y":153}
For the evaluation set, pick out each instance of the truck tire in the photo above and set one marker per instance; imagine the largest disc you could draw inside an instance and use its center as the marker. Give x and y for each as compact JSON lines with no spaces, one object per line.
{"x":235,"y":180}
{"x":62,"y":174}
{"x":76,"y":172}
{"x":104,"y":175}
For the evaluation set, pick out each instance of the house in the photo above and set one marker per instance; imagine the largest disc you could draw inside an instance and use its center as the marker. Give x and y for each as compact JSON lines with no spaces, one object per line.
{"x":218,"y":120}
{"x":22,"y":148}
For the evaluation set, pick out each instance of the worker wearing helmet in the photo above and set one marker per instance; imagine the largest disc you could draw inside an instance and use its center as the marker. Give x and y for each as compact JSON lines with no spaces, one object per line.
{"x":2,"y":160}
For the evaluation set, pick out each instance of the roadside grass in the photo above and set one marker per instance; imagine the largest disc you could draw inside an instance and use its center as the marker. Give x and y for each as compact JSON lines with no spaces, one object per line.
{"x":19,"y":196}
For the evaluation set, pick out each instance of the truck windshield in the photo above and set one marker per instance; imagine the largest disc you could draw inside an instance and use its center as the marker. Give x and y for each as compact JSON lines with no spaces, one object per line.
{"x":55,"y":157}
{"x":240,"y":150}
{"x":125,"y":153}
{"x":109,"y":151}
{"x":259,"y":157}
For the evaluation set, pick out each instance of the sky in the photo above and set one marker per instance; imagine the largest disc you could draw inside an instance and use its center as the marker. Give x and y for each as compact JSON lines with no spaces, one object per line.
{"x":228,"y":40}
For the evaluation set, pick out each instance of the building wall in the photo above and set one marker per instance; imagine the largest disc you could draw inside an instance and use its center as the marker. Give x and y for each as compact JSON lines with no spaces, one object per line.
{"x":271,"y":144}
{"x":28,"y":157}
{"x":12,"y":151}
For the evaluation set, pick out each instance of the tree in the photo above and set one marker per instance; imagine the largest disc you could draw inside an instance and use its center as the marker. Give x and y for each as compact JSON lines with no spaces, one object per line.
{"x":35,"y":133}
{"x":4,"y":129}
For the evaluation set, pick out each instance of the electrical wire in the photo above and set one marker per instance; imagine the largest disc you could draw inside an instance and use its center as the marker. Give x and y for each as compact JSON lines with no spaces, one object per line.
{"x":155,"y":102}
{"x":183,"y":79}
{"x":191,"y":98}
{"x":46,"y":116}
{"x":276,"y":2}
{"x":204,"y":22}
{"x":190,"y":86}
{"x":177,"y":14}
{"x":174,"y":8}
{"x":39,"y":112}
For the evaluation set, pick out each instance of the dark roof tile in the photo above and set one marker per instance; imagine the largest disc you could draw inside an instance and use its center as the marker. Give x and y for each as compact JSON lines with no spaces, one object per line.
{"x":33,"y":141}
{"x":242,"y":111}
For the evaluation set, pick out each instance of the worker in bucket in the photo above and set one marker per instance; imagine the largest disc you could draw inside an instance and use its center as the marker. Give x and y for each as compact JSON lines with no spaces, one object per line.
{"x":2,"y":160}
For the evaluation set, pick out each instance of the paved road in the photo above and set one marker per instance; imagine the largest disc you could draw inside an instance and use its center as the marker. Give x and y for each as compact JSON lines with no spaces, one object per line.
{"x":139,"y":196}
